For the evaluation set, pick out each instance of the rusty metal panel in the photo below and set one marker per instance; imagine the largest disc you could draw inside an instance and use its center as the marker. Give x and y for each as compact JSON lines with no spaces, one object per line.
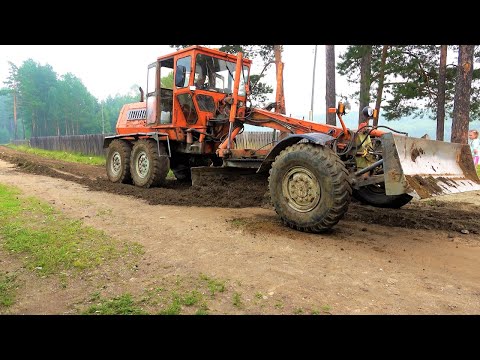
{"x":425,"y":168}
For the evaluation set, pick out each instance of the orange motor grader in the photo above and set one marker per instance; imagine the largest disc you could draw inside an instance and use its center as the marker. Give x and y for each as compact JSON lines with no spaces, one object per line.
{"x":197,"y":102}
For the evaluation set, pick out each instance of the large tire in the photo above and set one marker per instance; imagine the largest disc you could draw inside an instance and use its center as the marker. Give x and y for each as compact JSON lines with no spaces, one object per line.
{"x":375,"y":195}
{"x":148,"y":169}
{"x":118,"y":161}
{"x":309,"y":187}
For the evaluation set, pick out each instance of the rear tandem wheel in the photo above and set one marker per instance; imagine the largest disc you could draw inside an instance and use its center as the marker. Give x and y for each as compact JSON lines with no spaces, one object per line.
{"x":118,"y":161}
{"x":147,"y":167}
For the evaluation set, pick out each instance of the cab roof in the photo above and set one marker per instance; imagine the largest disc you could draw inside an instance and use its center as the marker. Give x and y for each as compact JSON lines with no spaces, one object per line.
{"x":205,"y":50}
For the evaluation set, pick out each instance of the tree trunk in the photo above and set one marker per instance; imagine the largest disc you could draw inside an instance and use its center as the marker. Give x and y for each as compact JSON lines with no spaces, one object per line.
{"x":381,"y":80}
{"x":461,"y":105}
{"x":280,"y":97}
{"x":33,"y":124}
{"x":330,"y":82}
{"x":365,"y":74}
{"x":15,"y":114}
{"x":23,"y":127}
{"x":442,"y":71}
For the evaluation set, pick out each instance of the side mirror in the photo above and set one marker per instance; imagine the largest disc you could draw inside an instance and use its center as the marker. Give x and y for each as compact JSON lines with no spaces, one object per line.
{"x":180,"y":76}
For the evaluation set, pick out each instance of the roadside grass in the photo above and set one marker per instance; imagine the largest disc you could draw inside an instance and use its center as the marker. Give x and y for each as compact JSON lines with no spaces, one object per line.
{"x":121,"y":305}
{"x":61,"y":155}
{"x":213,"y":285}
{"x":49,"y":241}
{"x":177,"y":296}
{"x":171,"y":304}
{"x":187,"y":295}
{"x":237,"y":300}
{"x":7,"y":290}
{"x":69,"y":156}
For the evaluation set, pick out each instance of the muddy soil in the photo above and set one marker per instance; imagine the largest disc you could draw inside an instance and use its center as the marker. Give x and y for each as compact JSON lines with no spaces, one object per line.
{"x":421,"y":259}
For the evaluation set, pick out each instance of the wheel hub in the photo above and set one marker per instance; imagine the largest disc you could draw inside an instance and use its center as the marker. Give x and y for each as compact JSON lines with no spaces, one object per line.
{"x":143,"y":165}
{"x":116,"y":164}
{"x":301,"y":188}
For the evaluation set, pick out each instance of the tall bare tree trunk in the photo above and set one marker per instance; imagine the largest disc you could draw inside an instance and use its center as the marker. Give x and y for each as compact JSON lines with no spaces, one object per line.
{"x":461,"y":105}
{"x":381,"y":80}
{"x":15,"y":114}
{"x":330,"y":82}
{"x":365,"y":75}
{"x":23,"y":127}
{"x":442,"y":71}
{"x":34,"y":130}
{"x":280,"y":97}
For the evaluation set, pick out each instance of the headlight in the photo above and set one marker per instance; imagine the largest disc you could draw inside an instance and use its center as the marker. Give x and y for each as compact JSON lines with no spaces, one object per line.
{"x":367,"y":111}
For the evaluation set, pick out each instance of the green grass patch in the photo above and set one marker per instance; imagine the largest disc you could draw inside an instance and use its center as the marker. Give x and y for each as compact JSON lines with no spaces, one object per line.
{"x":238,"y":222}
{"x":153,"y":300}
{"x":178,"y":300}
{"x":326,"y":308}
{"x":213,"y":285}
{"x":10,"y":205}
{"x":478,"y":170}
{"x":174,"y":308}
{"x":7,"y":290}
{"x":237,"y":300}
{"x":61,"y":155}
{"x":51,"y":241}
{"x":188,"y":299}
{"x":121,"y":305}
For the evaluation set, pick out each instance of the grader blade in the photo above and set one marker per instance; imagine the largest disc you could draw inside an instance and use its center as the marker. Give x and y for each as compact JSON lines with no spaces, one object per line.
{"x":425,"y":168}
{"x":209,"y":175}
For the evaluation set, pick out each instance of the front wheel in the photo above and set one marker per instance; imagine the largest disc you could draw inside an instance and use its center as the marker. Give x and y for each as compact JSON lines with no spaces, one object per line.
{"x":309,"y":187}
{"x":375,"y":195}
{"x":147,"y":166}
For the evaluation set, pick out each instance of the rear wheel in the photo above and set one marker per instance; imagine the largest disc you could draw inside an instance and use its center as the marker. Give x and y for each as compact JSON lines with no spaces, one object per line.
{"x":147,"y":167}
{"x":118,"y":161}
{"x":375,"y":195}
{"x":309,"y":187}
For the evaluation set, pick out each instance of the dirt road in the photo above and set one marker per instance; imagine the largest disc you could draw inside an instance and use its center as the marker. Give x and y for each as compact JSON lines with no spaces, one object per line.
{"x":414,"y":260}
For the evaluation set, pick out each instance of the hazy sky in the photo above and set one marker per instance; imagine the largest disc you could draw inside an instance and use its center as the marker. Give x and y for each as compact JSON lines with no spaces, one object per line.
{"x":112,"y":69}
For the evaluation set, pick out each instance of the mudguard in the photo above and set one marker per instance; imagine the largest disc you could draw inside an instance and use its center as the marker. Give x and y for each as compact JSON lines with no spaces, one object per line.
{"x":316,"y":138}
